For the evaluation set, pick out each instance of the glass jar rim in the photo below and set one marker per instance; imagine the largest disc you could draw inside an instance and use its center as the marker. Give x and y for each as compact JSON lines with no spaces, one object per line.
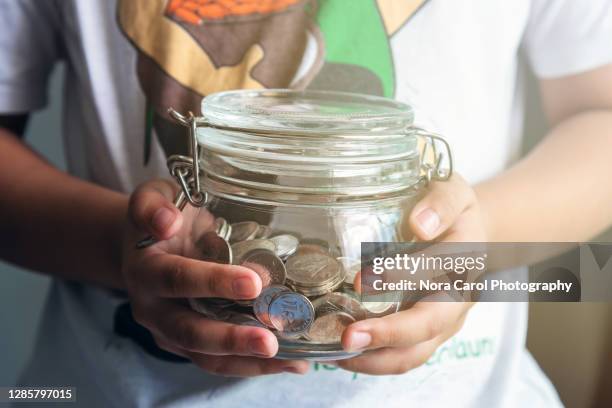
{"x":307,"y":146}
{"x":306,"y":112}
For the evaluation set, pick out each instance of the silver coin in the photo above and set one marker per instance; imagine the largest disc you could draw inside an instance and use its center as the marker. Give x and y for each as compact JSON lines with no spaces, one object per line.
{"x":225,"y":230}
{"x":351,"y":268}
{"x":291,"y":314}
{"x":244,"y":319}
{"x":312,"y":269}
{"x":220,"y":302}
{"x":215,"y":249}
{"x":200,"y":306}
{"x":209,"y":310}
{"x":244,"y":302}
{"x":263,"y":232}
{"x":240,"y":249}
{"x":228,"y":232}
{"x":339,"y":302}
{"x":290,"y":336}
{"x":243,"y":231}
{"x":286,"y":245}
{"x":262,"y":303}
{"x":267,"y":265}
{"x":221,"y":226}
{"x":321,"y":288}
{"x":329,"y":328}
{"x":377,"y":309}
{"x":314,"y":291}
{"x":305,"y":249}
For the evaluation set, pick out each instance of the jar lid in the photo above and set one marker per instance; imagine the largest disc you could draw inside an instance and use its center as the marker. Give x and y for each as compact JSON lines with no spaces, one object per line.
{"x":310,"y":147}
{"x":305,"y":111}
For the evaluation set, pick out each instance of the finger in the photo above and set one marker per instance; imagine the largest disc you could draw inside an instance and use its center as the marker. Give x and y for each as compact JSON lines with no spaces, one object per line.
{"x":190,"y":331}
{"x":167,"y":346}
{"x":233,"y":366}
{"x":467,"y":228}
{"x":437,"y":211}
{"x":391,"y":360}
{"x":152,"y":211}
{"x":169,"y":275}
{"x":423,"y":322}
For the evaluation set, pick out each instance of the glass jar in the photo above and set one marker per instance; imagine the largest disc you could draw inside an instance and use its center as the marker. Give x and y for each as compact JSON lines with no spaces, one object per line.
{"x":290,"y":184}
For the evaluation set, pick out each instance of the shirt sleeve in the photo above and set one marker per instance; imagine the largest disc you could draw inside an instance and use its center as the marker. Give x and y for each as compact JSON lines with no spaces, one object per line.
{"x":565,"y":37}
{"x":28,"y":50}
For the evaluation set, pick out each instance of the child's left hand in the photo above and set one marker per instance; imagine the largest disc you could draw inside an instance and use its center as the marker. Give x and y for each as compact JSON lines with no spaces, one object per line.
{"x":399,"y":342}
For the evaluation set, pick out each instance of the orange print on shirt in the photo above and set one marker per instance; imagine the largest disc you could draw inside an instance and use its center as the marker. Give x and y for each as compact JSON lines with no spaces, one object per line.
{"x":197,"y":11}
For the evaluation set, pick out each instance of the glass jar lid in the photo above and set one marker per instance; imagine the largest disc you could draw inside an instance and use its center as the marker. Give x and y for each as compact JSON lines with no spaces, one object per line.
{"x":319,"y":112}
{"x":309,"y":146}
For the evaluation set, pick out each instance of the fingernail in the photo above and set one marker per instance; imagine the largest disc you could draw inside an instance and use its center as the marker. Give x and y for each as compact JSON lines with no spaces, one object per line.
{"x":359,"y":340}
{"x":162,"y":219}
{"x":258,"y":347}
{"x":429,"y":221}
{"x":243,"y":288}
{"x":293,"y":370}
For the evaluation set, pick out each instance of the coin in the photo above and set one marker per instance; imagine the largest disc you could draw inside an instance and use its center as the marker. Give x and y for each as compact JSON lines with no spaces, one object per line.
{"x":209,"y":310}
{"x":291,"y":313}
{"x":243,"y":231}
{"x":376,"y":309}
{"x":267,"y":265}
{"x":220,"y":302}
{"x":200,"y":306}
{"x":262,"y":303}
{"x":304,"y":249}
{"x":263,"y":232}
{"x":240,"y":249}
{"x":221,"y":226}
{"x":351,"y":268}
{"x":244,"y":302}
{"x":312,"y":269}
{"x":328,"y":328}
{"x":320,"y":245}
{"x":313,"y":291}
{"x":228,"y":232}
{"x":286,"y":245}
{"x":244,"y":319}
{"x":339,"y":302}
{"x":215,"y":249}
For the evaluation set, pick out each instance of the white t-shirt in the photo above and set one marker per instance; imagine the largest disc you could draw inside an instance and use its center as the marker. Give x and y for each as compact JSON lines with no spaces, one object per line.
{"x":456,"y":62}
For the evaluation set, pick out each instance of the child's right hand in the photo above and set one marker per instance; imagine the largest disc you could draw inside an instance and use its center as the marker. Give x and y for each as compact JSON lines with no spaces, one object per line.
{"x":159,"y":279}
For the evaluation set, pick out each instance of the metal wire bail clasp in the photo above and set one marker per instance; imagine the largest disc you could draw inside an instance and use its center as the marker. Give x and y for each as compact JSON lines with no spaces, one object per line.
{"x":186,"y":169}
{"x":433,"y":161}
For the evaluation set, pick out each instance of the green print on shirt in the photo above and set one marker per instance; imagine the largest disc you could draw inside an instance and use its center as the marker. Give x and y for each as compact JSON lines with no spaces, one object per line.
{"x":327,"y":367}
{"x":356,"y":36}
{"x":460,"y":349}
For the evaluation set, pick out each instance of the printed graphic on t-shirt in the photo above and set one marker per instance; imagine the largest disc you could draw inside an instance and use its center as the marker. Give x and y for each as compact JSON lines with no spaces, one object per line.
{"x":191,"y":48}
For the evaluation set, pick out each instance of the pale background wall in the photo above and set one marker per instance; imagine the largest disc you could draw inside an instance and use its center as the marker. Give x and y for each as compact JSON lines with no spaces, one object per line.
{"x":571,"y":341}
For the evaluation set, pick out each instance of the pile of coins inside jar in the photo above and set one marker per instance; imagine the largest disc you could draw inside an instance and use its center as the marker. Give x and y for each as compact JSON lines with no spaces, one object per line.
{"x":307,"y":289}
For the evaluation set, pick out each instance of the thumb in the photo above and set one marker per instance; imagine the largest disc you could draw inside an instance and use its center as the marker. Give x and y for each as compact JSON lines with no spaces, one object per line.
{"x":151,"y":209}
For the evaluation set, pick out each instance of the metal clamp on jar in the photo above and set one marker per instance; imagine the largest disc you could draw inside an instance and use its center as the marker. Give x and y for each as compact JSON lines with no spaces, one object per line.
{"x":289,"y":184}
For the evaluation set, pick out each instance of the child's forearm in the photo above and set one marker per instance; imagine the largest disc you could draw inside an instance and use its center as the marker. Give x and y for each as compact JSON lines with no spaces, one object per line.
{"x":562,"y":191}
{"x":57,"y":224}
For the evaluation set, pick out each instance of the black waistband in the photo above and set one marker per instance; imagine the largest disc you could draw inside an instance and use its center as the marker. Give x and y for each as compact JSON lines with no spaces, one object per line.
{"x":126,"y":326}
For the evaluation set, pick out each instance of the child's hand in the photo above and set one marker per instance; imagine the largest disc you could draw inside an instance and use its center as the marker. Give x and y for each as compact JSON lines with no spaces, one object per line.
{"x":160,"y":277}
{"x":402,"y":341}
